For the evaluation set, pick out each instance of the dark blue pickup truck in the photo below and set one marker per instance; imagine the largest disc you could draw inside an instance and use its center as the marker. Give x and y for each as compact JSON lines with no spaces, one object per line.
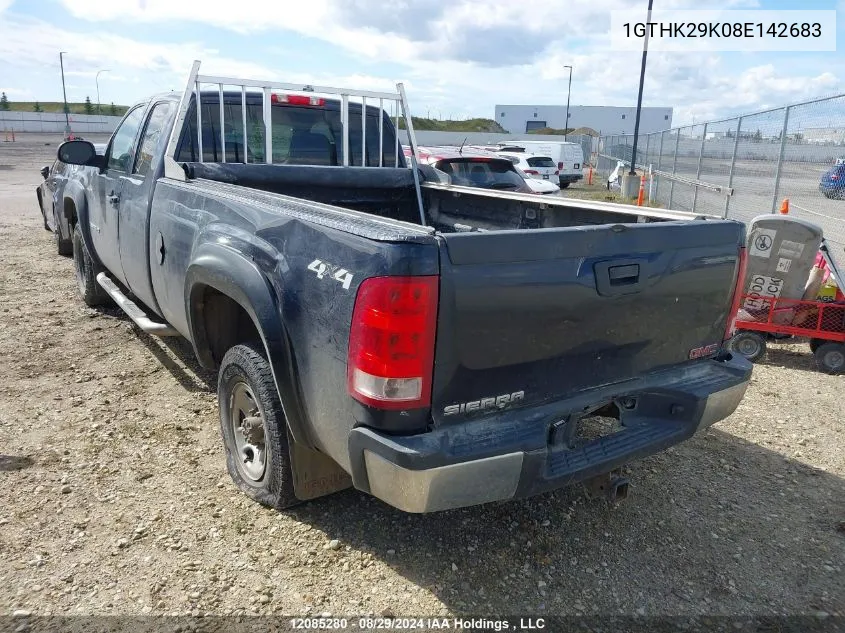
{"x":375,"y":325}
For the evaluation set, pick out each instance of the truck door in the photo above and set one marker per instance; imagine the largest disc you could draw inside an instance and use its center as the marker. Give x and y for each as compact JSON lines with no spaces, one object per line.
{"x":135,"y":199}
{"x":104,"y":210}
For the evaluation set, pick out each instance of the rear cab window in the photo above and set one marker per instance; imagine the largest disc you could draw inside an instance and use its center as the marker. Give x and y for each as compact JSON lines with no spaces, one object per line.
{"x":301,"y":135}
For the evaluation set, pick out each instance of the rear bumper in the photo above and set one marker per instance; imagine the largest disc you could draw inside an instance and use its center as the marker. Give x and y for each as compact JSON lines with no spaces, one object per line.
{"x":529,"y":450}
{"x":570,"y":178}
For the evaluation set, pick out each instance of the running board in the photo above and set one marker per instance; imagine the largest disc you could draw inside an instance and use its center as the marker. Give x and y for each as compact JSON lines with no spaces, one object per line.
{"x":135,"y":313}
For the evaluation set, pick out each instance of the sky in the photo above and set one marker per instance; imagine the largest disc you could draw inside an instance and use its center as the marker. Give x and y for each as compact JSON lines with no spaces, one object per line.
{"x":457,"y":58}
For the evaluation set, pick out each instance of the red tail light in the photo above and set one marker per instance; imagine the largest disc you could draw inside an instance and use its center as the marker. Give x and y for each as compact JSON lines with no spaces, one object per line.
{"x":834,"y":176}
{"x":296,"y":100}
{"x":560,"y":165}
{"x":532,"y":171}
{"x":391,"y":343}
{"x":739,"y":287}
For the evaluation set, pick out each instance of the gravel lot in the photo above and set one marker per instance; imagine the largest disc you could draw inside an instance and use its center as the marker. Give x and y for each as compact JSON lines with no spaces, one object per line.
{"x":114,"y":497}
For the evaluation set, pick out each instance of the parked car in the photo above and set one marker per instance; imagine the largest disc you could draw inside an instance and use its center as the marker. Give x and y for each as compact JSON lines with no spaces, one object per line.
{"x":832,"y":183}
{"x":542,"y":187}
{"x":534,"y":165}
{"x":434,"y":345}
{"x":569,"y":157}
{"x":48,"y":193}
{"x":472,"y":167}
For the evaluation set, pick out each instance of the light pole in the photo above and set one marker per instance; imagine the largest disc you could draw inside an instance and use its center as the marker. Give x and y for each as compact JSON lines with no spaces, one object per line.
{"x":568,"y":94}
{"x":640,"y":96}
{"x":96,"y":81}
{"x":64,"y":93}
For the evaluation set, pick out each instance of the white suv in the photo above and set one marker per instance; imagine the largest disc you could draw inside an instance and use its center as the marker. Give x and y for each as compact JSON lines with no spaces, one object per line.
{"x":534,"y":165}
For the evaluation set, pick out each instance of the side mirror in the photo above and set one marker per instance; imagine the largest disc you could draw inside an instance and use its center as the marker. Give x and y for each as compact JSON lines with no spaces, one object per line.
{"x":45,"y":171}
{"x":79,"y":153}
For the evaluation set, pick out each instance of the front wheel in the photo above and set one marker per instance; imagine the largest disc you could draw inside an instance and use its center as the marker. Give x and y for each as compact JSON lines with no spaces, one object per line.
{"x":830,"y":358}
{"x":749,"y":344}
{"x":254,"y":428}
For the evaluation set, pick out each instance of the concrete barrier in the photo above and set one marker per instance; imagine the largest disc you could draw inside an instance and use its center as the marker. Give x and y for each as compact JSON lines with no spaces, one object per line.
{"x":17,"y":121}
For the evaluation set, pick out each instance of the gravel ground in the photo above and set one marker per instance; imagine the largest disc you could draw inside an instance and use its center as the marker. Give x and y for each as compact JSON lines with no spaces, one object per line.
{"x":114,"y":497}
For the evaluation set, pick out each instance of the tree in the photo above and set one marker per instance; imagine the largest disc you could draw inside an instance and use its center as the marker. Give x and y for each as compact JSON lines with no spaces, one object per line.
{"x":37,"y":107}
{"x":89,"y":107}
{"x":66,"y":109}
{"x":4,"y":102}
{"x":113,"y":110}
{"x":758,"y":135}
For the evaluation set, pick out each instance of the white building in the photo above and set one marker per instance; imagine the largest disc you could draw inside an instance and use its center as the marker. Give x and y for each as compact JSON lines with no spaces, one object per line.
{"x":518,"y":119}
{"x":824,"y":135}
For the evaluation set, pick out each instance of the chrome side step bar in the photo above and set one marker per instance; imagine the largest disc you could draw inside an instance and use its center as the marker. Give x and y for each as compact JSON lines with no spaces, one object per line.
{"x":133,"y":311}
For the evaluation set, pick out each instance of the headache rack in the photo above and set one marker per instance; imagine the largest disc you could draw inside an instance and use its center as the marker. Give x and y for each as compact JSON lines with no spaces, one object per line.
{"x":172,"y":169}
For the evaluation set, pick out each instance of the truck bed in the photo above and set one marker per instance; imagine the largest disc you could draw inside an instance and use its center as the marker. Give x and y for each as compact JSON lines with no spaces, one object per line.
{"x":389,"y":193}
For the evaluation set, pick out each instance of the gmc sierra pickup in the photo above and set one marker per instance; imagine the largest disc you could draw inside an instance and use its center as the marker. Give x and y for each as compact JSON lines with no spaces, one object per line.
{"x":374,"y":325}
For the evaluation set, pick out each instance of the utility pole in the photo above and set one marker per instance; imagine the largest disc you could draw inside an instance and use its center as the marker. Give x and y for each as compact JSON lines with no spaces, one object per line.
{"x":64,"y":94}
{"x":568,"y":94}
{"x":640,"y":96}
{"x":96,"y":81}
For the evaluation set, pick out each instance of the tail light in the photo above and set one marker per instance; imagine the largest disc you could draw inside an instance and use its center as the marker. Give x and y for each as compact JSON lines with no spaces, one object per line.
{"x":834,"y":176}
{"x":739,"y":287}
{"x":532,"y":172}
{"x":557,"y":172}
{"x":391,"y":343}
{"x":560,"y":165}
{"x":284,"y":99}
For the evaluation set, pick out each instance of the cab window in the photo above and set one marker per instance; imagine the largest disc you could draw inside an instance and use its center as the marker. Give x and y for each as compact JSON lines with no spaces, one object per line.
{"x":120,"y":151}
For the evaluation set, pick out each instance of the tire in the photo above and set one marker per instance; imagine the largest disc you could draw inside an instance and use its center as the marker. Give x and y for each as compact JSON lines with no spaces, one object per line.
{"x":816,"y":343}
{"x":257,"y":455}
{"x":830,"y":358}
{"x":564,"y":185}
{"x":749,"y":344}
{"x":41,"y":208}
{"x":63,"y":247}
{"x":86,"y":272}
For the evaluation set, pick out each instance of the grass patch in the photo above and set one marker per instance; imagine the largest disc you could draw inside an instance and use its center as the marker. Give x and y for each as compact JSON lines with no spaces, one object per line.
{"x":469,"y":125}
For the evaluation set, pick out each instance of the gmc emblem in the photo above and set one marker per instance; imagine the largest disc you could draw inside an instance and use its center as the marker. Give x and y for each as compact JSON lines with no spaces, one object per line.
{"x":700,"y":352}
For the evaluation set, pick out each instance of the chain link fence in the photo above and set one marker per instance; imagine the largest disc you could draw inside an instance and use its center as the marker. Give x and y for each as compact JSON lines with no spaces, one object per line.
{"x":743,"y":167}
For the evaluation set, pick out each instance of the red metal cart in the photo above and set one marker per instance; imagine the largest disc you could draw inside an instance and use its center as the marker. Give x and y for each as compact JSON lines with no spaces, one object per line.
{"x":820,"y":321}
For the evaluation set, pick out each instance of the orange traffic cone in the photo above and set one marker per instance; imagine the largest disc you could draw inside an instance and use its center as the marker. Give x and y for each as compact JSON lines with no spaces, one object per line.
{"x":590,"y":175}
{"x":784,"y":206}
{"x":641,"y":194}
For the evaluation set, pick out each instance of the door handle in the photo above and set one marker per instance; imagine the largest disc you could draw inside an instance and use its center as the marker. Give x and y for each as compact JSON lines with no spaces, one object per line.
{"x":620,"y":277}
{"x":113,"y":198}
{"x":624,"y":275}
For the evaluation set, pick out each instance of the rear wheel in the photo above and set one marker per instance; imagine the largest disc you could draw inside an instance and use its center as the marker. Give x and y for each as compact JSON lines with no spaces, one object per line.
{"x":254,"y":428}
{"x":43,"y":213}
{"x":86,"y":272}
{"x":830,"y":358}
{"x":564,"y":185}
{"x":749,"y":344}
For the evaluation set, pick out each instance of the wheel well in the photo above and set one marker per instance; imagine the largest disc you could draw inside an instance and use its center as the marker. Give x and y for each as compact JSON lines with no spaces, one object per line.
{"x":225,"y":323}
{"x":70,"y":213}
